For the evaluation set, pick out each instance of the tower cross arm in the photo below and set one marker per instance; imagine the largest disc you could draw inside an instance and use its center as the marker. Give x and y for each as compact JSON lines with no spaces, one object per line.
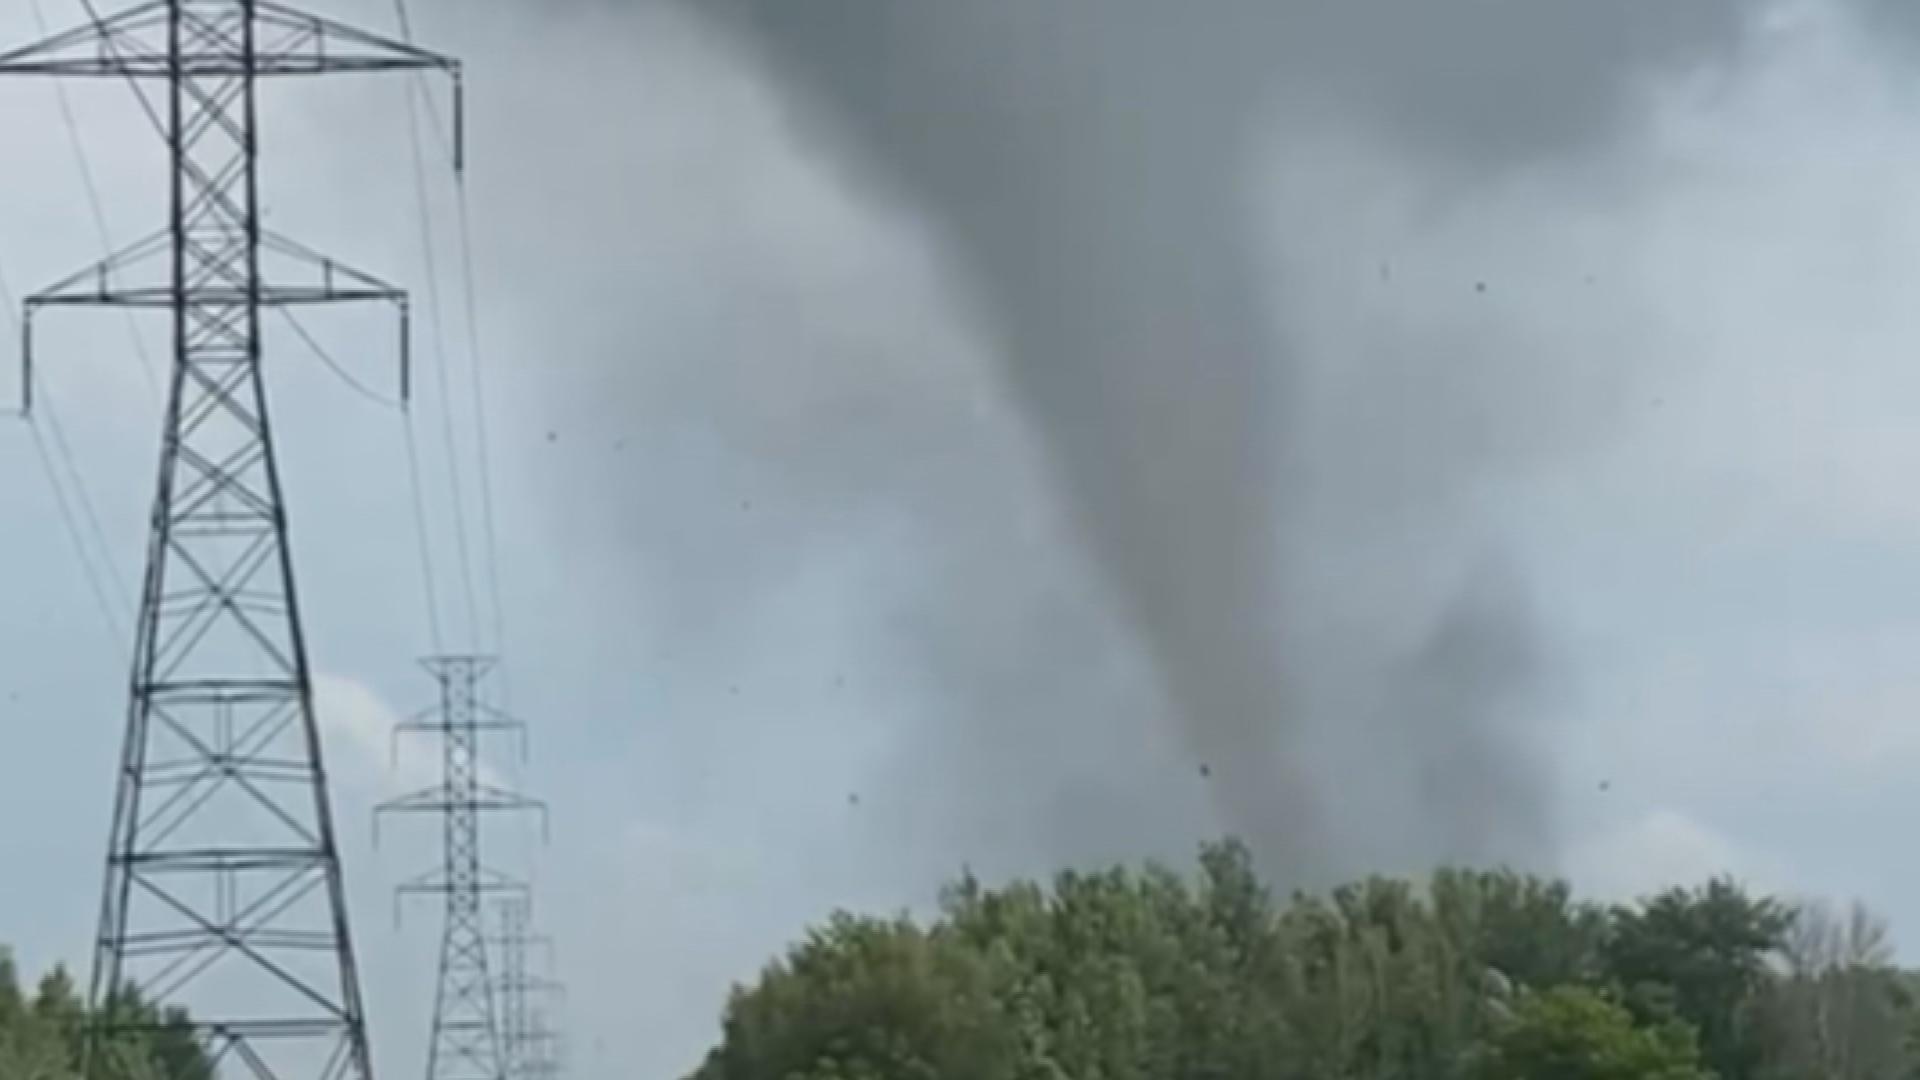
{"x":200,"y":39}
{"x":292,"y":274}
{"x":438,"y":882}
{"x":135,"y":44}
{"x":139,"y":277}
{"x":440,"y":800}
{"x":118,"y":44}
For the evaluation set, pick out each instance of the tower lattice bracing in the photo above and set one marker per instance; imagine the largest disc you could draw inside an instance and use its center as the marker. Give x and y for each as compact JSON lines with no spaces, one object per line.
{"x":466,"y":1041}
{"x":223,"y":891}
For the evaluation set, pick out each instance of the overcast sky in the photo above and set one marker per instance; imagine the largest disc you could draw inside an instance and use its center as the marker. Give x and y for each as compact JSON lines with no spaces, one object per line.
{"x":926,"y":436}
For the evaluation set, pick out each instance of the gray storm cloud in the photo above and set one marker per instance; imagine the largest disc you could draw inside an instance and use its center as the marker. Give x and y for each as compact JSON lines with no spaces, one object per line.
{"x":765,"y":559}
{"x":1090,"y":165}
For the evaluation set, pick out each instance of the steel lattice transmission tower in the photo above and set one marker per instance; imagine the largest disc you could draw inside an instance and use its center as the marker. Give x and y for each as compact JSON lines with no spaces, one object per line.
{"x":466,"y":1039}
{"x":546,"y":1049}
{"x":223,"y":890}
{"x":526,"y":1044}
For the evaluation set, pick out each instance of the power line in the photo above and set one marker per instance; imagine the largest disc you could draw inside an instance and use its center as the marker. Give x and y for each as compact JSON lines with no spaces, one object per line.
{"x":77,"y":511}
{"x":475,"y":372}
{"x":338,"y":369}
{"x":442,"y":363}
{"x":77,"y":508}
{"x":420,"y":534}
{"x":111,"y":48}
{"x":417,"y":95}
{"x":489,"y":532}
{"x":476,"y":378}
{"x":44,"y":401}
{"x":114,"y":624}
{"x":416,"y":483}
{"x":413,"y":462}
{"x":92,"y":190}
{"x":470,"y":291}
{"x":406,"y":20}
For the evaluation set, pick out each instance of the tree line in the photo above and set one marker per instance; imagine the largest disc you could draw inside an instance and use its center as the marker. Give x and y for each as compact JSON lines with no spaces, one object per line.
{"x":1150,"y":974}
{"x":1470,"y":975}
{"x":43,"y":1034}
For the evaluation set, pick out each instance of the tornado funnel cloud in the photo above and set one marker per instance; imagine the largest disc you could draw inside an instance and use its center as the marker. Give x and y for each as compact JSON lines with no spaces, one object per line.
{"x":1091,"y":167}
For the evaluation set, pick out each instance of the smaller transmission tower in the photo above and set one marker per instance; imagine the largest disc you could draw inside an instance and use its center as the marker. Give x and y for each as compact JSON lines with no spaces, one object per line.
{"x":521,"y":992}
{"x":546,"y":1050}
{"x":466,"y":1037}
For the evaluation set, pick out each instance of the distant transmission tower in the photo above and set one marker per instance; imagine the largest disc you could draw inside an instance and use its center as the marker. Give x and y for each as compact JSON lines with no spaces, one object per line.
{"x":466,"y":1039}
{"x":521,"y":991}
{"x":223,"y":890}
{"x":546,"y":1049}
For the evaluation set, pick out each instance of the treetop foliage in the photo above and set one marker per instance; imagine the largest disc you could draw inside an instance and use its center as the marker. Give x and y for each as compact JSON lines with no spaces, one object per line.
{"x":1149,"y":974}
{"x":42,"y":1035}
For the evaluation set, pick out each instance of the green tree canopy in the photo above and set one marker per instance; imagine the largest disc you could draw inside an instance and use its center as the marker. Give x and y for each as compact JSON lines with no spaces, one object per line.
{"x":42,"y":1036}
{"x":863,"y":999}
{"x":1572,"y":1033}
{"x":1702,"y":955}
{"x":1148,"y":974}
